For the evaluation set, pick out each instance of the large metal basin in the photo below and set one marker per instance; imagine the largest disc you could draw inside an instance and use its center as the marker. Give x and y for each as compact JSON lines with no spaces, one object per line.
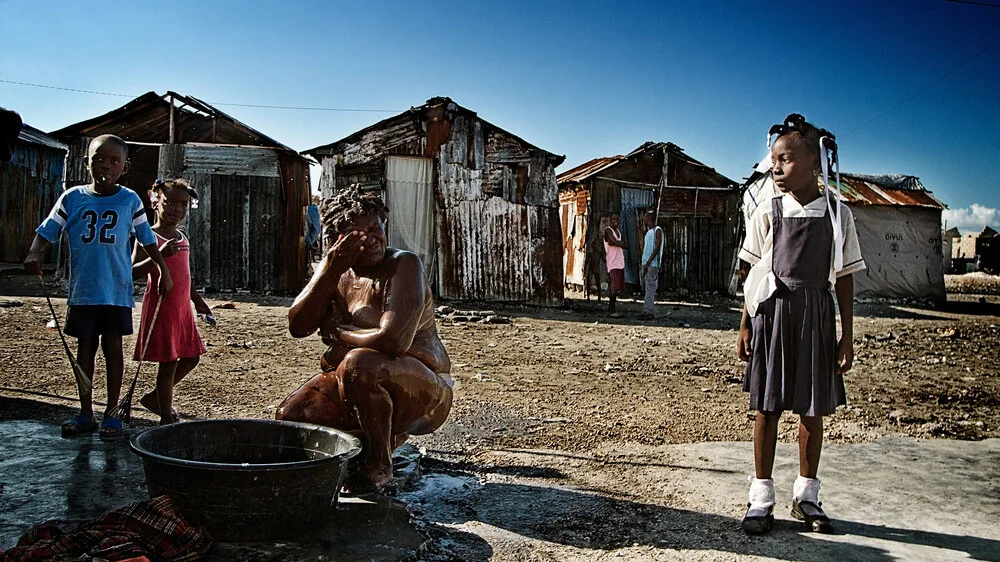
{"x":246,"y":479}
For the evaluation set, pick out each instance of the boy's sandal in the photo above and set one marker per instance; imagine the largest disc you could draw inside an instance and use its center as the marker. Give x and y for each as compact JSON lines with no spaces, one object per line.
{"x":78,"y":425}
{"x":758,"y":524}
{"x":812,"y":514}
{"x":111,"y":428}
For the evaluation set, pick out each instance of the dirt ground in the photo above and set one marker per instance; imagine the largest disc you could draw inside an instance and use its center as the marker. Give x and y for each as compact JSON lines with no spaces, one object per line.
{"x":572,"y":380}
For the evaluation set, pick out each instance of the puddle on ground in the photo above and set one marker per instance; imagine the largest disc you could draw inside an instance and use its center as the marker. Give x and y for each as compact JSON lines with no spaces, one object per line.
{"x":45,"y":477}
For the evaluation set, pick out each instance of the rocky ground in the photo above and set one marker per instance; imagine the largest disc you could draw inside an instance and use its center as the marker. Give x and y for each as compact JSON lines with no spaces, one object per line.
{"x":574,"y":381}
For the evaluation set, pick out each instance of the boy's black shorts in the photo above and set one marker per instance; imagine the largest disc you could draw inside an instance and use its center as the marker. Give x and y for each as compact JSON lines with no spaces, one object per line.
{"x":87,"y":321}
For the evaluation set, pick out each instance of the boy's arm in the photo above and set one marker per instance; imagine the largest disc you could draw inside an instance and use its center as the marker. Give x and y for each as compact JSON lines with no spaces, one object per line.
{"x":166,"y":283}
{"x":845,"y":300}
{"x":142,"y":264}
{"x":33,"y":263}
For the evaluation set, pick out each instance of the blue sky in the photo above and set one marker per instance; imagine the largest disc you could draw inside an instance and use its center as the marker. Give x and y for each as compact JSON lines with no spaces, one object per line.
{"x":893,"y":80}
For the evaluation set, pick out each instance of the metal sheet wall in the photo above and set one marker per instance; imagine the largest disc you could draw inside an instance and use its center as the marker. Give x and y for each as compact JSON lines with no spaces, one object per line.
{"x":633,"y":202}
{"x":236,"y":231}
{"x":695,"y":256}
{"x":494,"y":250}
{"x":29,"y":186}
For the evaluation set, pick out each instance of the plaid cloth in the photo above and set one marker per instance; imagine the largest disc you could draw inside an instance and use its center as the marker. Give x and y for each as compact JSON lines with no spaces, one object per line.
{"x":143,"y":531}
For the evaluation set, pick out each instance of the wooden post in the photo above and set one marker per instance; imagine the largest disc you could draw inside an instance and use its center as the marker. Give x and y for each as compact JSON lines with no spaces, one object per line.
{"x":172,"y":138}
{"x":663,"y":184}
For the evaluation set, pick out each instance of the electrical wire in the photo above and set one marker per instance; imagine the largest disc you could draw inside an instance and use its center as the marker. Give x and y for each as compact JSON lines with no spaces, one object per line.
{"x":259,"y":106}
{"x":928,"y":87}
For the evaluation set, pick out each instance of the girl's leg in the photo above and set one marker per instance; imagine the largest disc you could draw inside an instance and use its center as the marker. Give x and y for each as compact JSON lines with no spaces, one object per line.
{"x":805,"y":493}
{"x":86,"y":352}
{"x":114,"y":361}
{"x":165,"y":391}
{"x":765,"y":439}
{"x":185,"y":366}
{"x":810,"y":445}
{"x":759,"y":517}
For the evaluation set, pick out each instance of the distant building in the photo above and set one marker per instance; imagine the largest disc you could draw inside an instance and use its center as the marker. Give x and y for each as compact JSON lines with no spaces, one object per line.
{"x":248,"y":230}
{"x":697,"y":208}
{"x":899,"y":229}
{"x":477,"y":203}
{"x":976,"y":251}
{"x":29,"y":186}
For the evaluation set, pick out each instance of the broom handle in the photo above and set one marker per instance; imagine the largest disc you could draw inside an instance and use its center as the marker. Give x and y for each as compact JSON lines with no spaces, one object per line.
{"x":142,"y":356}
{"x":83,"y":383}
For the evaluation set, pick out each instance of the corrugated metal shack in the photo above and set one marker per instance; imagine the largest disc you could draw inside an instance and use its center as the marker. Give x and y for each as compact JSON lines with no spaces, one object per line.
{"x":899,"y":230}
{"x":697,"y":208}
{"x":247,"y":232}
{"x":477,"y":203}
{"x":29,"y":186}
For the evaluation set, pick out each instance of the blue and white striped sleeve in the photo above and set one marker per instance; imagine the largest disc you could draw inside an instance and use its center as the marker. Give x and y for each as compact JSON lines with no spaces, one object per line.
{"x":55,"y":223}
{"x":140,"y":224}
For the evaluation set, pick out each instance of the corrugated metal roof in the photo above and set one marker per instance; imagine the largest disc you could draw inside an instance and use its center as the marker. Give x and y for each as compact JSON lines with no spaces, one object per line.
{"x":587,"y":169}
{"x":32,"y":135}
{"x":147,"y":119}
{"x":415,"y":112}
{"x":676,"y":153}
{"x":890,"y":189}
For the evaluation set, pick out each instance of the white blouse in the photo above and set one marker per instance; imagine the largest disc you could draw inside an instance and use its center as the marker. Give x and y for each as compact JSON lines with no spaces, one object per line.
{"x":758,"y":247}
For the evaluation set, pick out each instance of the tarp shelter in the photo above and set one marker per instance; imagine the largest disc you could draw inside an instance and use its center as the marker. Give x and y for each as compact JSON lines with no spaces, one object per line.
{"x":899,"y":230}
{"x":29,"y":186}
{"x":247,"y":232}
{"x":697,"y":208}
{"x":475,"y":202}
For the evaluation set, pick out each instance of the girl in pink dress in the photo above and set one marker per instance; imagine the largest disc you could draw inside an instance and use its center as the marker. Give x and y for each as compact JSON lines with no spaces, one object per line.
{"x":174,"y":341}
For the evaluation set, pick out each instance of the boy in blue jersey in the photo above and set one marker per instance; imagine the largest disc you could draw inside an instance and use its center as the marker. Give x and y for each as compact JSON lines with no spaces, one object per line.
{"x":98,"y":220}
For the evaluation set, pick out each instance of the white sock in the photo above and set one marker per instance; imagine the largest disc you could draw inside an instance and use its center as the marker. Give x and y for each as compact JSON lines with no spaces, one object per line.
{"x":761,"y":496}
{"x":806,"y":489}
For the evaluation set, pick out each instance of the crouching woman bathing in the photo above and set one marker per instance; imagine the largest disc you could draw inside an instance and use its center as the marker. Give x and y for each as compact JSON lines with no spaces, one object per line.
{"x":385,"y":372}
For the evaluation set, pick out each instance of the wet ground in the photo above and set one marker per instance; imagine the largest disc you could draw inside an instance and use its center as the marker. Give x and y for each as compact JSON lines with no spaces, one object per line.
{"x":44,"y":477}
{"x":578,"y":437}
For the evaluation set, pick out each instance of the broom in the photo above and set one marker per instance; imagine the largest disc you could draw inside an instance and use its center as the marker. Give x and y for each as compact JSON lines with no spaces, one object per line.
{"x":83,"y":382}
{"x":124,"y":408}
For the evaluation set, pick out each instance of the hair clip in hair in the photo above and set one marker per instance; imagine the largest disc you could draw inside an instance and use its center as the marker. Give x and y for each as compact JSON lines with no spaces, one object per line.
{"x":194,"y":203}
{"x":153,"y":198}
{"x":158,"y":182}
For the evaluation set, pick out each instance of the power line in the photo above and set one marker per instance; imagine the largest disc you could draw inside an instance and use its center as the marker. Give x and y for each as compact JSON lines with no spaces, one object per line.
{"x":260,"y":106}
{"x":928,"y":87}
{"x":64,"y":89}
{"x":987,"y":4}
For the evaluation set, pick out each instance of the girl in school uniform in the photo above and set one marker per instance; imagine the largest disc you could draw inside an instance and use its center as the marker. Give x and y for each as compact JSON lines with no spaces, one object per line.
{"x":803,"y":246}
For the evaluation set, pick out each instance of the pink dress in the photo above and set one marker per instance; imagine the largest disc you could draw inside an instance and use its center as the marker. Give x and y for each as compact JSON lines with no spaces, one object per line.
{"x":175,"y":335}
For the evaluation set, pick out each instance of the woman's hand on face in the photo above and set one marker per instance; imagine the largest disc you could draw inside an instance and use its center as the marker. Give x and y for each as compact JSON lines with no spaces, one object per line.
{"x":345,"y":251}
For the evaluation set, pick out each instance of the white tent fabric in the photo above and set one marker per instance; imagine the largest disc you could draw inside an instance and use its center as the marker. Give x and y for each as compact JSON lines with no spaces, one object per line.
{"x":410,"y":198}
{"x":900,"y":245}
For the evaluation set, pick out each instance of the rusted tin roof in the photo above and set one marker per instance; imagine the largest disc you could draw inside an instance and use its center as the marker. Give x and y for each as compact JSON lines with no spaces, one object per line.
{"x":889,"y":189}
{"x":588,"y":169}
{"x":147,"y":119}
{"x":703,"y":175}
{"x":32,"y":135}
{"x":416,"y":113}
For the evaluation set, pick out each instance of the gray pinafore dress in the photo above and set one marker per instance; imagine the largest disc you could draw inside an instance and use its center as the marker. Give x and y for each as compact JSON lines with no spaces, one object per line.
{"x":793,"y":359}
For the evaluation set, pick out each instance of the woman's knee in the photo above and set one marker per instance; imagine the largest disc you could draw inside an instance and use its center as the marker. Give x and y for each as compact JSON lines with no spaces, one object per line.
{"x":362,"y":367}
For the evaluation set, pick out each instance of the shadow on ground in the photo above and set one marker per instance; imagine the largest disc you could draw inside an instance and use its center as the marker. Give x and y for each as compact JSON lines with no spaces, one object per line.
{"x":448,"y":498}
